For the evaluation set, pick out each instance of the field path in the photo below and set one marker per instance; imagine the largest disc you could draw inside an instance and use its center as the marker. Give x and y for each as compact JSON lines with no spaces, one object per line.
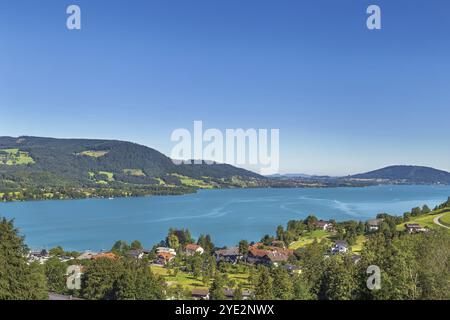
{"x":436,"y":221}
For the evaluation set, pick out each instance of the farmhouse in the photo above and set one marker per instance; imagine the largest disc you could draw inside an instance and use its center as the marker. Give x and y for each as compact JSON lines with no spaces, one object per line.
{"x":88,"y":255}
{"x":374,"y":224}
{"x":268,"y":255}
{"x":340,"y":246}
{"x":230,"y":255}
{"x":106,"y":255}
{"x":166,"y":250}
{"x":415,"y":228}
{"x":192,"y":249}
{"x":38,"y":256}
{"x":322,"y":225}
{"x":164,"y":258}
{"x":200,"y":294}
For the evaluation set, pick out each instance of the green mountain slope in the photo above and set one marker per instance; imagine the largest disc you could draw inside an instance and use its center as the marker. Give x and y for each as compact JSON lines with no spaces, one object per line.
{"x":34,"y":162}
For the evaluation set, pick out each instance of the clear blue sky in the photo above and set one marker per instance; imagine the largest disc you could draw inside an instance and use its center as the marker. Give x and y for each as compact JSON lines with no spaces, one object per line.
{"x":345,"y":99}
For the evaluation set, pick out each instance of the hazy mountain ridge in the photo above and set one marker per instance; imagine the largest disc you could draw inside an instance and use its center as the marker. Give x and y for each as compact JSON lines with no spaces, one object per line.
{"x":407,"y":174}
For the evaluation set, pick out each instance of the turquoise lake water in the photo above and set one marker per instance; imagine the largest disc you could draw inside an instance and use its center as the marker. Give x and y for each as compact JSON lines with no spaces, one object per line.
{"x":228,"y":215}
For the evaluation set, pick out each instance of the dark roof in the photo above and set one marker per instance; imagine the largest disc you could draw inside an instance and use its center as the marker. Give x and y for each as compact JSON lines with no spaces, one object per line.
{"x":413,"y":225}
{"x":200,"y":292}
{"x":374,"y":222}
{"x":341,"y":243}
{"x":234,"y":251}
{"x":137,"y":252}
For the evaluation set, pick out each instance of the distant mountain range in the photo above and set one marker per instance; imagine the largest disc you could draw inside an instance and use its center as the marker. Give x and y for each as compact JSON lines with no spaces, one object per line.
{"x":84,"y":165}
{"x":406,"y":174}
{"x":399,"y":174}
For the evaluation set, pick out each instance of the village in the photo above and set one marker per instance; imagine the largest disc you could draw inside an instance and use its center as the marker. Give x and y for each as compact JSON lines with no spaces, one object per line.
{"x":183,"y":265}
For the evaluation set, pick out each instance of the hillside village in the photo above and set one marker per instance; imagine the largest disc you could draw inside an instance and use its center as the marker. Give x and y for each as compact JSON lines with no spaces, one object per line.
{"x":188,"y":267}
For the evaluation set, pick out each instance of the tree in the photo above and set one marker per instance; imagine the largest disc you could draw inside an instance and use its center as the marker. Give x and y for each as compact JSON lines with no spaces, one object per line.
{"x":120,"y":247}
{"x":56,"y":251}
{"x":264,"y":287}
{"x":206,"y":243}
{"x":280,"y":233}
{"x":18,"y":280}
{"x":282,"y":284}
{"x":339,"y":280}
{"x":55,"y":272}
{"x":425,"y":209}
{"x":173,"y":242}
{"x":243,"y":247}
{"x":301,"y":289}
{"x":216,"y":291}
{"x":97,"y":282}
{"x":137,"y":282}
{"x":136,"y":245}
{"x":237,"y":293}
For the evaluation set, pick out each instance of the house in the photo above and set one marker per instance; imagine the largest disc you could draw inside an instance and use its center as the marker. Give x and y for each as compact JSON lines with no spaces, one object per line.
{"x":166,"y":250}
{"x":192,"y":249}
{"x":38,"y":256}
{"x":87,"y":255}
{"x":106,"y":255}
{"x":230,"y":255}
{"x":374,"y":224}
{"x":415,"y":228}
{"x":163,"y":258}
{"x":323,"y":225}
{"x":246,"y":294}
{"x":65,"y":258}
{"x":200,"y":294}
{"x":138,"y":253}
{"x":268,"y":255}
{"x":340,"y":246}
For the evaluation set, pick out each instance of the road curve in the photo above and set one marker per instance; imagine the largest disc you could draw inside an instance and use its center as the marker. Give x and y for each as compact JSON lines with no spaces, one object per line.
{"x":436,"y":221}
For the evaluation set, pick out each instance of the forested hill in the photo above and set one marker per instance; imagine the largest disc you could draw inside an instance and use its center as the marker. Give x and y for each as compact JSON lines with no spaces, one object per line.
{"x":407,"y":174}
{"x":48,"y":162}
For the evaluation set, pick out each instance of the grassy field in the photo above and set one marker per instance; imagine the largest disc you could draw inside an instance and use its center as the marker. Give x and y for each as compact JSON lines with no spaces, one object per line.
{"x":15,"y":157}
{"x":190,"y":182}
{"x":427,"y":220}
{"x":109,"y":175}
{"x":189,"y":282}
{"x":308,"y":238}
{"x":357,"y":247}
{"x":134,"y":172}
{"x":93,"y":154}
{"x":445,"y":219}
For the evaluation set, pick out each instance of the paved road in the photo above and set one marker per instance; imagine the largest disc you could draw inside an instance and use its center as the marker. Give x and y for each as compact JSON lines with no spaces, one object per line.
{"x":436,"y":221}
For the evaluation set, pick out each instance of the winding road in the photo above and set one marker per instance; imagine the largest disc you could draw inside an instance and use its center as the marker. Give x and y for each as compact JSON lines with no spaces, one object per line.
{"x":436,"y":221}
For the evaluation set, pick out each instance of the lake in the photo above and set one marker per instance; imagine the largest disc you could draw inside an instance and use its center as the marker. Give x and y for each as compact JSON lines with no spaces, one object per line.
{"x":228,"y":215}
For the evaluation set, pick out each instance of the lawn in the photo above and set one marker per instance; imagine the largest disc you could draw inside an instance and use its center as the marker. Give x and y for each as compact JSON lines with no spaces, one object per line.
{"x":445,"y":219}
{"x":182,"y":278}
{"x":109,"y":175}
{"x":308,"y":238}
{"x":190,"y":182}
{"x":189,"y":282}
{"x":357,"y":247}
